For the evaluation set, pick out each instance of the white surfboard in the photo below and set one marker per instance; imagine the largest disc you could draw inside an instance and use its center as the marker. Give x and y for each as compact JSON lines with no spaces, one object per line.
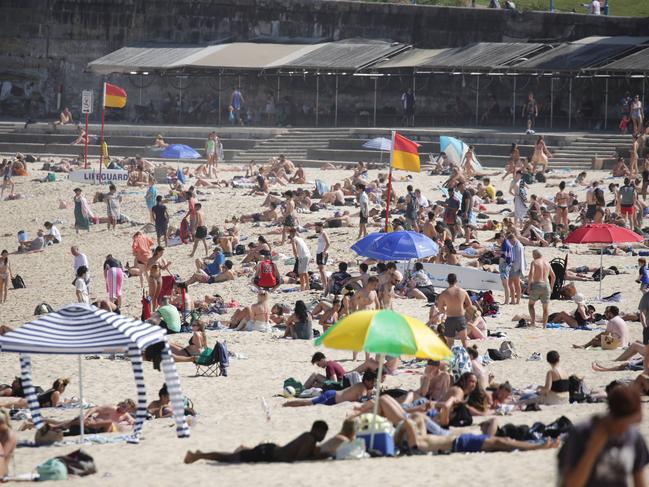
{"x":467,"y":277}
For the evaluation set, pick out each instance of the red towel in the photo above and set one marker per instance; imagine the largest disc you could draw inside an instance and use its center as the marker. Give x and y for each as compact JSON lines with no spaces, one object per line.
{"x":167,"y":286}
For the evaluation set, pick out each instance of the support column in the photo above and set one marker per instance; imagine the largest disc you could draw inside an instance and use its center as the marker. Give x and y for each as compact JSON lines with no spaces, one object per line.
{"x":277,"y":96}
{"x":570,"y":104}
{"x":514,"y":108}
{"x":606,"y":106}
{"x":477,"y":99}
{"x":551,"y":101}
{"x":317,"y":99}
{"x":414,"y":96}
{"x":374,"y":117}
{"x":219,"y":105}
{"x":336,"y":104}
{"x":180,"y":99}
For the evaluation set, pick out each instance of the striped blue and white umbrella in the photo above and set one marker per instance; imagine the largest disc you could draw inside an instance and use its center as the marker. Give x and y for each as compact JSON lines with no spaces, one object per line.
{"x":79,"y":329}
{"x":455,"y":150}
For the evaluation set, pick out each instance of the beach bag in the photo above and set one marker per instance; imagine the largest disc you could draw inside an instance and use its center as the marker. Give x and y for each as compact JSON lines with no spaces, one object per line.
{"x":78,"y":463}
{"x":52,"y":469}
{"x":295,"y":384}
{"x":577,"y":389}
{"x":17,"y":282}
{"x":461,"y":362}
{"x":351,"y":450}
{"x":43,"y":309}
{"x":609,"y":342}
{"x":240,"y":249}
{"x":462,"y":416}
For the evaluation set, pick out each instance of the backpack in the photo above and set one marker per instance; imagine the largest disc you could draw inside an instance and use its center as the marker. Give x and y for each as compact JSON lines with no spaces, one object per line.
{"x":540,"y":177}
{"x":221,"y":357}
{"x":577,"y":390}
{"x":627,"y":194}
{"x":78,"y":463}
{"x":240,"y":249}
{"x":17,"y":282}
{"x":43,"y":309}
{"x":461,"y":416}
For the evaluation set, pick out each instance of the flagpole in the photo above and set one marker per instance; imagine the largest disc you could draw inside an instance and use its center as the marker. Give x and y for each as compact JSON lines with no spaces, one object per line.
{"x":387,"y":206}
{"x":101,"y":146}
{"x":85,"y":153}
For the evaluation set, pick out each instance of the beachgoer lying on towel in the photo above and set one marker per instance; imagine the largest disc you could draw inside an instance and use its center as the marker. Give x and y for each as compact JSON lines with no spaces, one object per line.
{"x":302,"y":448}
{"x":270,"y":215}
{"x":628,"y":359}
{"x":347,"y":433}
{"x":100,"y":419}
{"x":203,"y":276}
{"x":415,"y":437}
{"x":330,"y":398}
{"x":50,"y":398}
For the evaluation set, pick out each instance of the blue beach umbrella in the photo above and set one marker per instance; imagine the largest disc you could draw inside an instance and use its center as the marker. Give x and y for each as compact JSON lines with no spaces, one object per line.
{"x":403,"y":245}
{"x":379,"y":143}
{"x":179,"y":151}
{"x":455,"y":150}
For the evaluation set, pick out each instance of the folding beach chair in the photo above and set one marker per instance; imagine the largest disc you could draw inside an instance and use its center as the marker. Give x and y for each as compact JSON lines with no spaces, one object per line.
{"x":559,"y":267}
{"x":213,"y":362}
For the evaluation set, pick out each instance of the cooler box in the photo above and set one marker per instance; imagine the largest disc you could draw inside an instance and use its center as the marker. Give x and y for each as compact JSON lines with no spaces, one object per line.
{"x":383,"y":442}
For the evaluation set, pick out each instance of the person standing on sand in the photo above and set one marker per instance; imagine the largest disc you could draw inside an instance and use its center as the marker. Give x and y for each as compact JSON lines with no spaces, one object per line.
{"x":82,"y":211}
{"x":161,"y":219}
{"x":454,"y":301}
{"x":302,"y":256}
{"x":364,"y":204}
{"x":201,"y":230}
{"x":517,"y":270}
{"x":540,"y":283}
{"x":322,"y":253}
{"x":150,"y":198}
{"x":113,"y":210}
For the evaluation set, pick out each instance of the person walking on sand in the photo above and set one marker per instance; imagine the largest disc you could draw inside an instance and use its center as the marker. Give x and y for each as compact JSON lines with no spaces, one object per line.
{"x":540,"y":280}
{"x":517,"y":270}
{"x":322,"y":253}
{"x":161,"y":219}
{"x":151,"y":198}
{"x":364,"y":204}
{"x":302,"y":256}
{"x":454,"y":301}
{"x":201,"y":231}
{"x":82,"y":212}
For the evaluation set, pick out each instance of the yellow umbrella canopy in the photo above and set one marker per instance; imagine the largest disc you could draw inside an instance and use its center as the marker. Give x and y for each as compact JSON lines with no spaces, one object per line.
{"x":385,"y":332}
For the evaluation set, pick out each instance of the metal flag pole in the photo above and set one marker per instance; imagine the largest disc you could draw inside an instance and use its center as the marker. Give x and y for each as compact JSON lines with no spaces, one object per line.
{"x":101,"y":147}
{"x":387,"y":205}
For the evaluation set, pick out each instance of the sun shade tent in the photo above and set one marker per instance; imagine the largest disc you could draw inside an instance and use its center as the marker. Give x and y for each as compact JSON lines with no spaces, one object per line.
{"x":79,"y":329}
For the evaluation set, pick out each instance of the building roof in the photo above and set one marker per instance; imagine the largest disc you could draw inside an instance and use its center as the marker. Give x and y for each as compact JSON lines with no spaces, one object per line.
{"x":144,"y":57}
{"x":485,"y":55}
{"x":637,"y":62}
{"x":248,"y":55}
{"x":409,"y":59}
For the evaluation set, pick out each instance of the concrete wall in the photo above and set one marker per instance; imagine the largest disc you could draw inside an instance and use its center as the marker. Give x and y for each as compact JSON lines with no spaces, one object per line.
{"x":49,"y":42}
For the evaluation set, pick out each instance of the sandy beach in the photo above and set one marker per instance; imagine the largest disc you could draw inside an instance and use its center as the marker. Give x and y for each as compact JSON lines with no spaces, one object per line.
{"x":229,"y":408}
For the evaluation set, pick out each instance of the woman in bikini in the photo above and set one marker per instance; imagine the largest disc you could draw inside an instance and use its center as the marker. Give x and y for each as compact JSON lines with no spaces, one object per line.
{"x":562,"y":200}
{"x":196,"y":345}
{"x":5,"y":275}
{"x":541,"y":154}
{"x":514,"y":161}
{"x":155,"y":265}
{"x":633,"y":157}
{"x":557,"y":385}
{"x":330,"y":316}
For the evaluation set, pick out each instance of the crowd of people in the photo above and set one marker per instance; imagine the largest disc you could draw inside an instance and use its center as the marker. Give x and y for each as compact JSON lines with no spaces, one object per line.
{"x":292,"y":251}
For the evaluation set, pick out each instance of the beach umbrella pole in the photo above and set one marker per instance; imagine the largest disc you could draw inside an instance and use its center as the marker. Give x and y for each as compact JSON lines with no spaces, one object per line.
{"x":380,"y":358}
{"x":601,"y":270}
{"x":81,"y":399}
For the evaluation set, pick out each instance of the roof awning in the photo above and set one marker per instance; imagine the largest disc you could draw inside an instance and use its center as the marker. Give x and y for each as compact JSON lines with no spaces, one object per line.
{"x":249,"y":55}
{"x":485,"y":55}
{"x":154,"y":57}
{"x":409,"y":59}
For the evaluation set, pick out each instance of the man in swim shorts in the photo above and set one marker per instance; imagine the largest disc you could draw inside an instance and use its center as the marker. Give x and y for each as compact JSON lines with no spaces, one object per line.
{"x":330,"y":398}
{"x":454,"y":301}
{"x":540,"y":283}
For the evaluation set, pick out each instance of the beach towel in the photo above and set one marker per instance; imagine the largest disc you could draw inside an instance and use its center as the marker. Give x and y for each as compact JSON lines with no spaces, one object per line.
{"x":114,"y":279}
{"x":321,"y":187}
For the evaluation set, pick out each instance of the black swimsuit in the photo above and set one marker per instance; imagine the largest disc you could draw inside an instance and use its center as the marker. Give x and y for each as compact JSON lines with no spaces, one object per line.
{"x":561,"y":385}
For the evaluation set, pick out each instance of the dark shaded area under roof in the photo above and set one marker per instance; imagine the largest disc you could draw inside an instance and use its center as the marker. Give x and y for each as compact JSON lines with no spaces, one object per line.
{"x":574,"y":57}
{"x":347,"y":55}
{"x":485,"y":55}
{"x":638,"y":61}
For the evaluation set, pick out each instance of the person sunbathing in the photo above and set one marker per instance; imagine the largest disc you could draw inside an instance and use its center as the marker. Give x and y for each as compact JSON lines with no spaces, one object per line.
{"x":582,"y":316}
{"x":628,"y":359}
{"x":330,"y":398}
{"x":8,"y":442}
{"x":197,"y":343}
{"x":99,"y":419}
{"x":270,"y":215}
{"x":204,"y":276}
{"x":302,"y":448}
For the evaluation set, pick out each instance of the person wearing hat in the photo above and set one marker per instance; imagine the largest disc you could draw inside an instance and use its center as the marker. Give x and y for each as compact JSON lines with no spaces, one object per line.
{"x":581,"y":317}
{"x":607,"y":449}
{"x":616,"y":328}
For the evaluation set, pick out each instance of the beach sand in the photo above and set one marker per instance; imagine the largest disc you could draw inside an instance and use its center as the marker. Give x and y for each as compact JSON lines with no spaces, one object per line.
{"x":230,"y":411}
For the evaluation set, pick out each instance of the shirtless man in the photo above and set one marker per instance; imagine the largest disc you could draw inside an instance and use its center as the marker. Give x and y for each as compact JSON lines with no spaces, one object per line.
{"x":330,"y":398}
{"x":335,"y":197}
{"x":201,"y":230}
{"x":100,"y":419}
{"x":435,"y":382}
{"x":454,"y":301}
{"x":390,"y":278}
{"x":591,"y":202}
{"x":366,"y":299}
{"x":540,"y":283}
{"x":269,"y":215}
{"x":302,"y":448}
{"x":429,"y":227}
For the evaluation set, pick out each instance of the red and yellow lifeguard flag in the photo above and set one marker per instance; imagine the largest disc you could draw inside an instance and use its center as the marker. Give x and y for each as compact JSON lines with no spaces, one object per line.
{"x":405,"y":154}
{"x":114,"y":96}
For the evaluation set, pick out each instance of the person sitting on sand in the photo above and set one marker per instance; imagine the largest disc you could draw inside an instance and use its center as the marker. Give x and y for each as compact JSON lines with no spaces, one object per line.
{"x":302,"y":448}
{"x":35,"y":245}
{"x":256,"y":316}
{"x":557,"y":385}
{"x":8,"y":441}
{"x":347,"y":433}
{"x":161,"y":408}
{"x":435,"y":381}
{"x":334,"y":372}
{"x":331,"y":397}
{"x":615,"y":328}
{"x":299,"y":325}
{"x":196,"y":345}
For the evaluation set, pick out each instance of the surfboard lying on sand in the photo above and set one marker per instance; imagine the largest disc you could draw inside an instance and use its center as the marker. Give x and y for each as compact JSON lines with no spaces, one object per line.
{"x":467,"y":277}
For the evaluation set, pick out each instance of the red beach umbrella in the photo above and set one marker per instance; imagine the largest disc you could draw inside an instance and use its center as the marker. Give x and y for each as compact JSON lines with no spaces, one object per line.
{"x":602,"y":233}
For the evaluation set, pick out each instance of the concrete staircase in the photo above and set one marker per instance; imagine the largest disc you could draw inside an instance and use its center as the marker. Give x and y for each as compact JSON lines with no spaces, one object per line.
{"x":579,"y":153}
{"x":295,"y":144}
